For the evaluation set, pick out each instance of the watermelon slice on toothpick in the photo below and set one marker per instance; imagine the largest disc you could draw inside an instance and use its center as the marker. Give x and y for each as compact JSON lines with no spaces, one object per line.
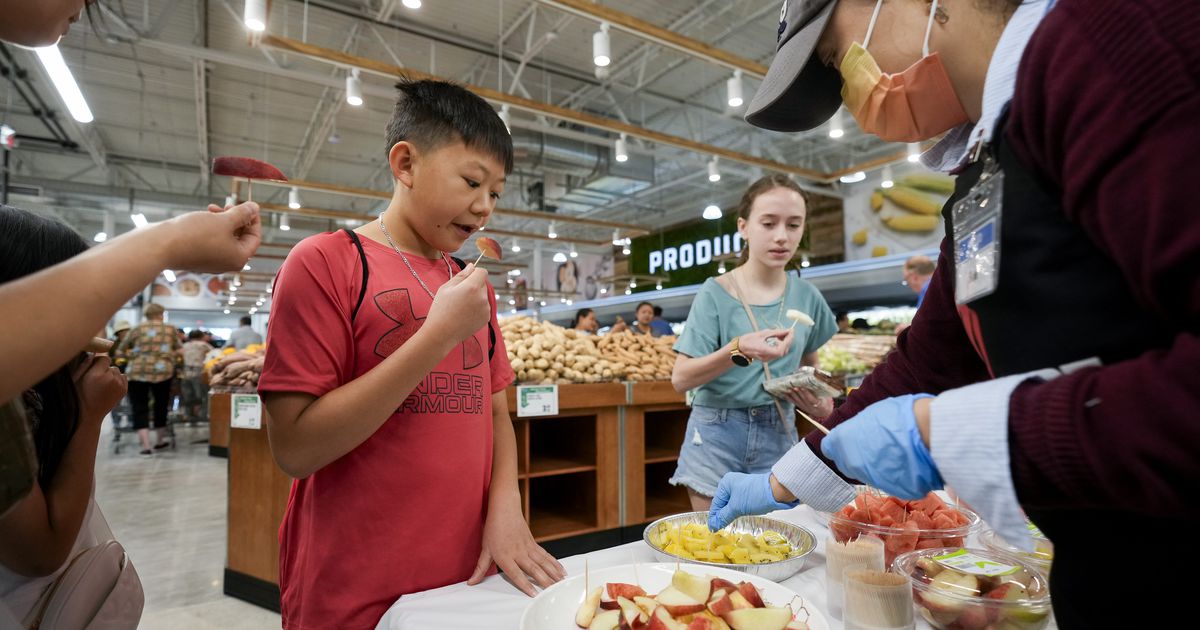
{"x":488,"y":247}
{"x":247,"y":168}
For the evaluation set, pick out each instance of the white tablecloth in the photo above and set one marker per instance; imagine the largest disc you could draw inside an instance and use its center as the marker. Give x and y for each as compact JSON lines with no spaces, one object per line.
{"x":497,"y":604}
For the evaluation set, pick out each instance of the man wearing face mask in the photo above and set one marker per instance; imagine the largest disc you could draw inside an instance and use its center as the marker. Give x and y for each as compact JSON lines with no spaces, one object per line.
{"x":1052,"y":369}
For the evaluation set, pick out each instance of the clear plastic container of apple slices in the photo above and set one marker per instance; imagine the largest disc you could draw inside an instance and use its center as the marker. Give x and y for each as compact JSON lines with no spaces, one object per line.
{"x":956,"y":587}
{"x":1042,"y":555}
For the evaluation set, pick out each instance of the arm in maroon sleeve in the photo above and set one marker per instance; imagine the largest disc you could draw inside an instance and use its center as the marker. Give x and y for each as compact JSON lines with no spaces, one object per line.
{"x":1107,"y":109}
{"x":931,"y":356}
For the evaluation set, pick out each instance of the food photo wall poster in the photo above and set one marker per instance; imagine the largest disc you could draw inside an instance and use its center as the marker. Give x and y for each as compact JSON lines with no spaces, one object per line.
{"x":903,"y":218}
{"x":579,"y":278}
{"x":191,"y":291}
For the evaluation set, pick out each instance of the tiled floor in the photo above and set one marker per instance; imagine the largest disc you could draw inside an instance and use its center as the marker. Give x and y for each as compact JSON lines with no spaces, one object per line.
{"x":169,"y":513}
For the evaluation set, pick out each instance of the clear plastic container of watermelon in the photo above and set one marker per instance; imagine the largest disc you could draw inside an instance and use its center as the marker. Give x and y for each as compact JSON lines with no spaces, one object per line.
{"x":928,"y":523}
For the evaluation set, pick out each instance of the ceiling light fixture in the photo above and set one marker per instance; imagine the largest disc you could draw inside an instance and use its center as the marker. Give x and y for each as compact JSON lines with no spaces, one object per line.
{"x":100,"y":237}
{"x":805,"y":262}
{"x":139,"y":220}
{"x":887,"y":177}
{"x":412,"y":4}
{"x":294,"y":198}
{"x":853,"y":178}
{"x":621,"y":150}
{"x":354,"y":94}
{"x":574,"y":254}
{"x":714,"y":173}
{"x":836,"y":128}
{"x":254,"y":15}
{"x":617,"y":241}
{"x":560,"y":257}
{"x":733,"y":89}
{"x":516,"y":249}
{"x":914,"y":151}
{"x":721,"y":267}
{"x":625,"y":248}
{"x":601,"y":48}
{"x":551,"y":233}
{"x":169,"y":275}
{"x":230,"y":201}
{"x":712,"y":212}
{"x":283,"y":223}
{"x":52,"y":60}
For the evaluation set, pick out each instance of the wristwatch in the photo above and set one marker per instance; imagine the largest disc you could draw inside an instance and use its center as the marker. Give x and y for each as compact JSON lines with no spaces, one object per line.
{"x":737,"y":356}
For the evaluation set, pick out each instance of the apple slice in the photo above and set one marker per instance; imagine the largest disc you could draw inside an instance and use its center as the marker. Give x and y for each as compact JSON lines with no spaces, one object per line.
{"x":716,"y":622}
{"x":739,"y":601}
{"x":248,"y":168}
{"x":631,"y":615}
{"x":628,"y":591}
{"x":647,"y":604}
{"x":662,"y":620}
{"x":607,"y":620}
{"x":759,"y":618}
{"x":700,"y":623}
{"x":947,"y":589}
{"x":720,"y":603}
{"x":608,"y":604}
{"x":799,"y":317}
{"x":722,"y":584}
{"x":679,"y":603}
{"x":587,"y":610}
{"x":489,"y":247}
{"x":751,"y":594}
{"x":696,"y":587}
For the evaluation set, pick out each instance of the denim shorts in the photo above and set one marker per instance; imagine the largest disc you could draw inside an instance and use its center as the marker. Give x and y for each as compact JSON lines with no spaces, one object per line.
{"x":718,"y":441}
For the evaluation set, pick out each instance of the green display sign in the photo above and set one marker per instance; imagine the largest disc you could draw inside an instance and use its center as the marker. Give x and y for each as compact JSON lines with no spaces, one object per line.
{"x":688,"y":254}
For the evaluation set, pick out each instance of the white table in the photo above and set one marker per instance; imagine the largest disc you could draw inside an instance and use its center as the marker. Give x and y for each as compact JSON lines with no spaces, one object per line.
{"x":497,"y":604}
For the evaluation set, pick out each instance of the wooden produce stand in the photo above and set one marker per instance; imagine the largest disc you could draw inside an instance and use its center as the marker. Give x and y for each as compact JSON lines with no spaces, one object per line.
{"x":218,"y":424}
{"x":258,"y":494}
{"x":655,"y":422}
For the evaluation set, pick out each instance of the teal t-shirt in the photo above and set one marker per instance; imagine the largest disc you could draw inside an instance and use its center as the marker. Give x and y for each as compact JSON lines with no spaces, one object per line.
{"x":717,"y":317}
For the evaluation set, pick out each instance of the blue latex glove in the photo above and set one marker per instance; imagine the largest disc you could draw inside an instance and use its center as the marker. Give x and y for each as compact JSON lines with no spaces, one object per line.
{"x":882,"y":446}
{"x":739,"y":494}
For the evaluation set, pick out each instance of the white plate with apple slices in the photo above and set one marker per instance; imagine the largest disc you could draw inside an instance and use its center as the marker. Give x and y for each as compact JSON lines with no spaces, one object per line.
{"x":559,"y":607}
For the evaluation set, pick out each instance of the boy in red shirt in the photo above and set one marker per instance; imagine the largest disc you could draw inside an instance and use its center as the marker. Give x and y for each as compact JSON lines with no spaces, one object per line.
{"x":385,"y":380}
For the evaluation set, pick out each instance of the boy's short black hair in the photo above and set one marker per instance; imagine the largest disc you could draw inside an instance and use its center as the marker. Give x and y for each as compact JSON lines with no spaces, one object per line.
{"x":196,"y":333}
{"x":430,"y":114}
{"x":245,"y":321}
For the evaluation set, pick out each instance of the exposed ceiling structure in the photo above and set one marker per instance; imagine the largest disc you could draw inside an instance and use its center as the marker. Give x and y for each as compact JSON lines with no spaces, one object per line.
{"x":173,"y":83}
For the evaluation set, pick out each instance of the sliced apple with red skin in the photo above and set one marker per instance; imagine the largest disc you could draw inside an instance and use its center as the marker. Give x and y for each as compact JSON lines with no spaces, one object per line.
{"x":662,"y":620}
{"x":759,"y":618}
{"x":722,"y":584}
{"x":1007,"y":592}
{"x":628,"y":591}
{"x":696,"y":587}
{"x":940,"y":597}
{"x":973,"y":617}
{"x":607,"y":620}
{"x":700,"y":623}
{"x":631,"y":615}
{"x":751,"y":594}
{"x":679,"y":603}
{"x":717,"y":622}
{"x":587,"y":610}
{"x":609,"y":604}
{"x":647,"y":604}
{"x":739,"y":601}
{"x":720,"y":603}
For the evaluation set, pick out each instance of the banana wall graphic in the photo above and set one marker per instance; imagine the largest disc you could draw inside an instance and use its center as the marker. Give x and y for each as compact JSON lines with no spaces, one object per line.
{"x":902,"y":218}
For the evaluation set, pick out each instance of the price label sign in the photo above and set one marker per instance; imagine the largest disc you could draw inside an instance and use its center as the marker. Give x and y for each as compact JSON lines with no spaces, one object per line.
{"x":247,"y":411}
{"x":537,"y":400}
{"x":966,"y":562}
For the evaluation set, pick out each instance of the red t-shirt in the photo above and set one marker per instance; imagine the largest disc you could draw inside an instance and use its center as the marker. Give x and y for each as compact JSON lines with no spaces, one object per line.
{"x":404,"y":511}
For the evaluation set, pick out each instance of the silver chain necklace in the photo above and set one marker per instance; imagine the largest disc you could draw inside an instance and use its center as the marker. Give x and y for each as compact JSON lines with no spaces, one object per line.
{"x":408,"y":264}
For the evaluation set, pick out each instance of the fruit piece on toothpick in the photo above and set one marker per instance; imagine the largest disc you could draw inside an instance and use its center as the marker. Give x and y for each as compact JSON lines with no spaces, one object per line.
{"x":488,"y":247}
{"x":607,"y":620}
{"x":628,"y":591}
{"x":587,"y":610}
{"x":759,"y":618}
{"x":751,"y":594}
{"x":720,"y":603}
{"x":679,"y":603}
{"x":696,"y":587}
{"x":248,"y":168}
{"x":799,"y":317}
{"x":631,"y":614}
{"x":647,"y":604}
{"x":722,"y":584}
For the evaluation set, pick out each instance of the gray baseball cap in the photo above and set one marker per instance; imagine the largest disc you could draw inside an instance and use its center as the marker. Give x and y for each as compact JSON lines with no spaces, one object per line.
{"x":799,"y":92}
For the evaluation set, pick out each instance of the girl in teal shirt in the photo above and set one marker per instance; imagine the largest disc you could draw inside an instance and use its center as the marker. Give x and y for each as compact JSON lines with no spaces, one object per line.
{"x":735,"y":425}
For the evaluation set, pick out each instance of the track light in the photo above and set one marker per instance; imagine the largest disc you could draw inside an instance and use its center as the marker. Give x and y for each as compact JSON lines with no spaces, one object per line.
{"x":712,"y":212}
{"x":551,"y":233}
{"x":836,"y":128}
{"x":658,"y":286}
{"x":628,"y":292}
{"x":853,"y":178}
{"x":805,"y":262}
{"x":887,"y":177}
{"x":354,"y":88}
{"x":283,"y":223}
{"x":139,"y":220}
{"x":617,"y":242}
{"x":733,"y":89}
{"x":516,"y":249}
{"x":505,"y":118}
{"x":573,"y":253}
{"x":100,"y":237}
{"x":412,"y":4}
{"x":714,"y":173}
{"x":633,"y":283}
{"x":601,"y":49}
{"x":294,"y":198}
{"x":226,"y":311}
{"x":254,"y":15}
{"x":914,"y":151}
{"x":60,"y":75}
{"x":620,"y":150}
{"x":721,"y":267}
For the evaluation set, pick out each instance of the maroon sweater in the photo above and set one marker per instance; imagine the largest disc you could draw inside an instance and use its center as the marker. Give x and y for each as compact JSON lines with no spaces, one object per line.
{"x":1107,"y":111}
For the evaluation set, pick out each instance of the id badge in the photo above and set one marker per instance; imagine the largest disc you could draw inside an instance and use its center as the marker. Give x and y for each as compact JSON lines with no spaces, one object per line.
{"x":977,"y":238}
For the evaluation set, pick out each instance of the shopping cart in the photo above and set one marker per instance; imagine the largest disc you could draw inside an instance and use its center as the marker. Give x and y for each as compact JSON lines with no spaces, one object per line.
{"x":122,"y":418}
